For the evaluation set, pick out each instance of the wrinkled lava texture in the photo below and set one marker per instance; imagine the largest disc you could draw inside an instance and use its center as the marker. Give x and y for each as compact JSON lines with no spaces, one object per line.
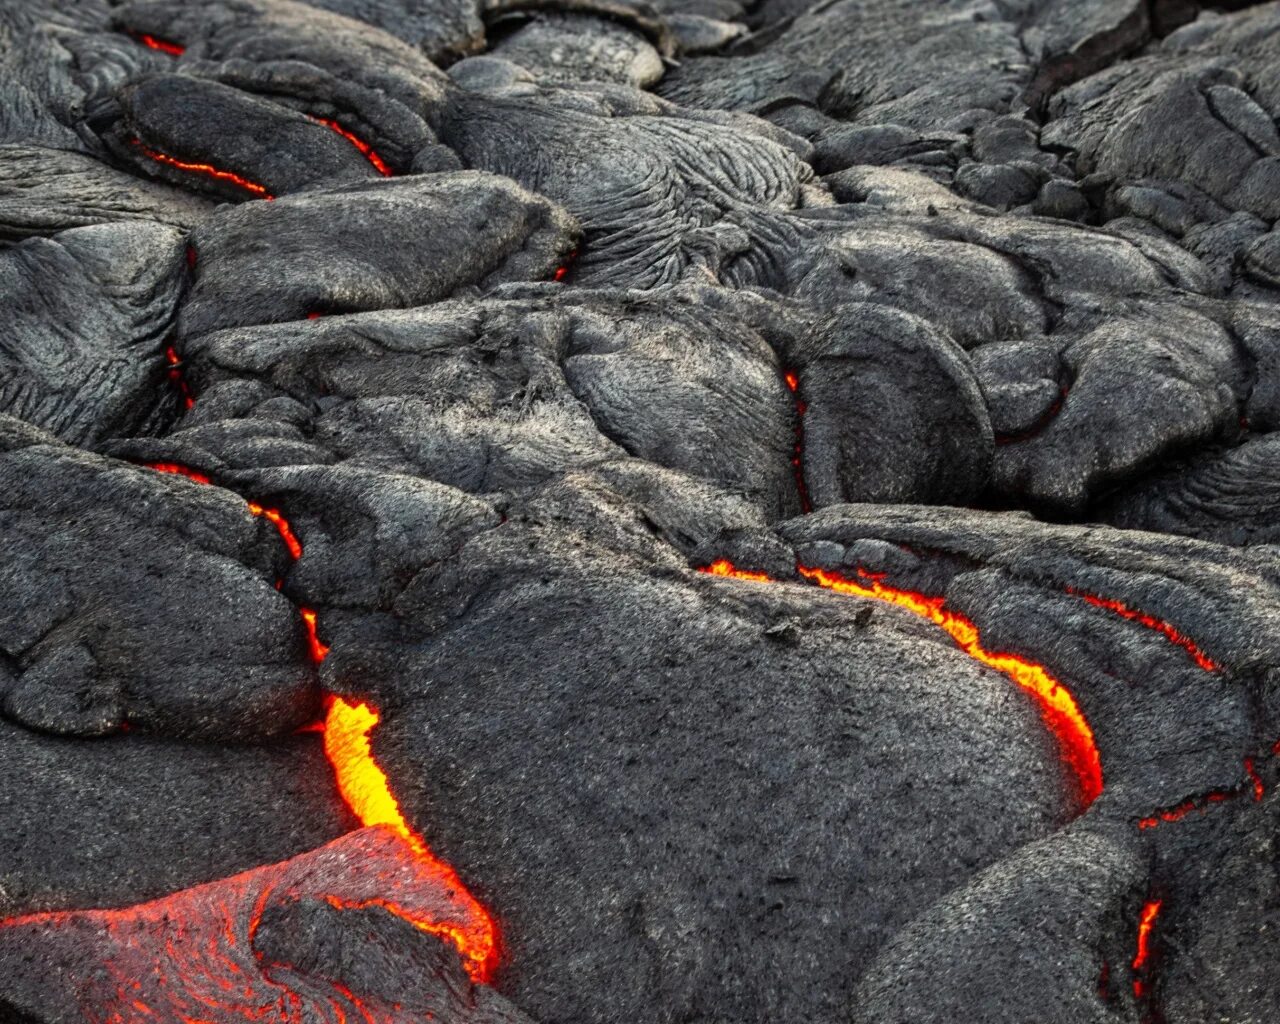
{"x":600,"y":512}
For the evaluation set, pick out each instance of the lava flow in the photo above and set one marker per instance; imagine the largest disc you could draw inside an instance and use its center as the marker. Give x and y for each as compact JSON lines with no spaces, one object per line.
{"x":366,"y":791}
{"x":1142,"y":957}
{"x":1165,"y":629}
{"x":366,"y":150}
{"x":1252,"y":784}
{"x":206,"y":169}
{"x":364,"y":787}
{"x":163,"y":45}
{"x":1057,"y":705}
{"x":202,"y":955}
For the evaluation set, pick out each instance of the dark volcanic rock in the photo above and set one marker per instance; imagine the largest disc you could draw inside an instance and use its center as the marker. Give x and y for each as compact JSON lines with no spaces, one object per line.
{"x":488,"y":543}
{"x":88,"y":313}
{"x":383,"y":244}
{"x":272,"y":150}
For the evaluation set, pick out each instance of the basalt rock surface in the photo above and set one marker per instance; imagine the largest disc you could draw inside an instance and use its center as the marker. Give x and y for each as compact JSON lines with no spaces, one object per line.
{"x":576,"y":511}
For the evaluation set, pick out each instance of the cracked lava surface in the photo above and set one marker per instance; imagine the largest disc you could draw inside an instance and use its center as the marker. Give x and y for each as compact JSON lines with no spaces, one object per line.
{"x":570,"y":360}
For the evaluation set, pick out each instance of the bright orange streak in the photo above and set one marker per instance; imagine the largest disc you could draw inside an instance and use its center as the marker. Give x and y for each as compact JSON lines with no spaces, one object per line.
{"x":1253,"y":784}
{"x":1165,"y":629}
{"x":281,"y":524}
{"x":793,"y":382}
{"x":172,"y":49}
{"x":358,"y":142}
{"x":726,"y":568}
{"x":173,"y":467}
{"x":1146,"y":922}
{"x":206,"y":169}
{"x":364,"y":787}
{"x":319,"y":650}
{"x":1057,"y":705}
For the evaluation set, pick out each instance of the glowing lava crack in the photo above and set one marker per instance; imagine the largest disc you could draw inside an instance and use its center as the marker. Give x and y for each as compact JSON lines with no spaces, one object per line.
{"x":440,"y":903}
{"x":1057,"y":705}
{"x":196,"y":958}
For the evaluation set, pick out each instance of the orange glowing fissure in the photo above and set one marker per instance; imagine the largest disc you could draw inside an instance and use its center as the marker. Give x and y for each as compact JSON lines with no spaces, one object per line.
{"x":1146,"y":923}
{"x":1165,"y":629}
{"x":363,"y":147}
{"x":208,"y":170}
{"x":1252,"y":784}
{"x":364,"y":788}
{"x":1057,"y":706}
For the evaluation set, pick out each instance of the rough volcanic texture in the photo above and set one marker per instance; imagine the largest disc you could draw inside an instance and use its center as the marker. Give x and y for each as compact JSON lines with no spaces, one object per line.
{"x":579,"y":511}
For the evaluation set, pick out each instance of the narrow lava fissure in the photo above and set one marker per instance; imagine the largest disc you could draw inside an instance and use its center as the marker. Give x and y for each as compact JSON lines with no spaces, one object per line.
{"x":1058,"y":707}
{"x":364,"y":787}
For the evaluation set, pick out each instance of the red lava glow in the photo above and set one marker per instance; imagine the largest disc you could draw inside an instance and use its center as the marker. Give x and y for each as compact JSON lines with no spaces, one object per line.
{"x":365,"y":149}
{"x":274,"y":517}
{"x":726,"y":568}
{"x":206,"y":169}
{"x":562,"y":271}
{"x":177,"y":470}
{"x":1165,"y":629}
{"x":1057,"y":705}
{"x":319,"y":650}
{"x":163,"y":45}
{"x":1146,"y":922}
{"x":176,"y":376}
{"x":365,"y":789}
{"x":797,"y":455}
{"x":1253,"y":784}
{"x":195,"y":957}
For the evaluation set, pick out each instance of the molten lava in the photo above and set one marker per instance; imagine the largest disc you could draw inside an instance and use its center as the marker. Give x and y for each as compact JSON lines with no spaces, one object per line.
{"x":364,"y":148}
{"x":365,"y":789}
{"x":173,"y":467}
{"x":562,"y":271}
{"x":1252,"y":784}
{"x":281,"y":524}
{"x":1165,"y":629}
{"x":726,"y":568}
{"x":1146,"y":922}
{"x":318,"y":650}
{"x":797,"y":454}
{"x":1057,"y":705}
{"x":163,"y":45}
{"x":197,"y":956}
{"x":176,"y":375}
{"x":208,"y":170}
